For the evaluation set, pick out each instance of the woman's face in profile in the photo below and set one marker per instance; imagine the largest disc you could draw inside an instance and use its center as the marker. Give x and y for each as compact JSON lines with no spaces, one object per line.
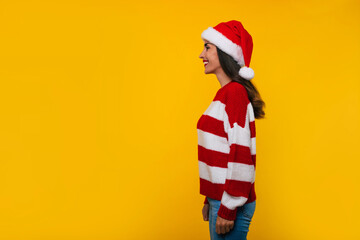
{"x":210,"y":58}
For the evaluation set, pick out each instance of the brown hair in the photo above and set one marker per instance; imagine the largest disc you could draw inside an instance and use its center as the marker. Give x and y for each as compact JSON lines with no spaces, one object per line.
{"x":231,"y":69}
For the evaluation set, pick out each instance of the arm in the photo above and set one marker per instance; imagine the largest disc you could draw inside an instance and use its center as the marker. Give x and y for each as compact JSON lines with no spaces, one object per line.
{"x":240,"y":166}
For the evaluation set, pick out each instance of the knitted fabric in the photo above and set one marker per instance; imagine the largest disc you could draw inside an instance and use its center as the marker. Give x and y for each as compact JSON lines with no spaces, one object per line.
{"x":227,"y":150}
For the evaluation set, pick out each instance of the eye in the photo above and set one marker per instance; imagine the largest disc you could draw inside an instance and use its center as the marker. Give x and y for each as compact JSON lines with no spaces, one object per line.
{"x":206,"y":46}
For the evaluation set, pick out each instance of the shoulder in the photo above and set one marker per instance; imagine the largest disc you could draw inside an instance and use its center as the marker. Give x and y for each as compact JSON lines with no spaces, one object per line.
{"x":233,"y":92}
{"x":235,"y":89}
{"x":235,"y":99}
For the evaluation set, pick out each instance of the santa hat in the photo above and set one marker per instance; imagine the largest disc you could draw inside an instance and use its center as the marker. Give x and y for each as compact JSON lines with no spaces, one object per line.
{"x":232,"y":38}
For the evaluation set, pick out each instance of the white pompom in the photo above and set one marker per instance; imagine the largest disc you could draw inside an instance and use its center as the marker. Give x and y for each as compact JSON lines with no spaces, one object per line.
{"x":246,"y":73}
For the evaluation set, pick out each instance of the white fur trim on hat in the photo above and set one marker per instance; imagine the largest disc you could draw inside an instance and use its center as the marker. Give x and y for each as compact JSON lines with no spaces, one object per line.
{"x":246,"y":73}
{"x":224,"y":44}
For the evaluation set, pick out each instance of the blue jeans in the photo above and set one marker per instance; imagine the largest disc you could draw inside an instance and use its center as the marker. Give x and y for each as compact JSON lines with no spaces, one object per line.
{"x":244,"y":215}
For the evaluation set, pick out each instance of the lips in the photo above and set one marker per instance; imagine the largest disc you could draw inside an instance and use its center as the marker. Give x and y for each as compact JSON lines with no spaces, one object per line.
{"x":205,"y":62}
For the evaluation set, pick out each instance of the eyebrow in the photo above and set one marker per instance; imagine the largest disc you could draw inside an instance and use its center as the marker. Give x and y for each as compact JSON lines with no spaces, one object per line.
{"x":206,"y":44}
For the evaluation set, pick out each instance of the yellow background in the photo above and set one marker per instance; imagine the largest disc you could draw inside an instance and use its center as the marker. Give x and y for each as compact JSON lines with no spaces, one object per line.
{"x":100,"y":99}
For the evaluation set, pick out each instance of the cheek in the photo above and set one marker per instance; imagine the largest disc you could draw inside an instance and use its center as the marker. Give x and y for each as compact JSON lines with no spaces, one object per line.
{"x":215,"y":61}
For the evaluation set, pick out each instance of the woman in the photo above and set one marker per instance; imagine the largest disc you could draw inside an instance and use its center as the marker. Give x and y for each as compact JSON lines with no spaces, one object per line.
{"x":226,"y":133}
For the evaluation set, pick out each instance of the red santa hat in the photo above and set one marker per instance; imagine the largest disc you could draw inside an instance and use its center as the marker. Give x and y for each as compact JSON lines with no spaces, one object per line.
{"x":232,"y":38}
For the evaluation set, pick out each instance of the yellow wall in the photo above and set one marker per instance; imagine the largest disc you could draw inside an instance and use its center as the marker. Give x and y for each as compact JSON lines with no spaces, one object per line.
{"x":99,"y":102}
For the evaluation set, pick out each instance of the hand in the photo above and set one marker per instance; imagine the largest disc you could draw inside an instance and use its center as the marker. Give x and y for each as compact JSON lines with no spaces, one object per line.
{"x":223,"y":225}
{"x":205,"y":212}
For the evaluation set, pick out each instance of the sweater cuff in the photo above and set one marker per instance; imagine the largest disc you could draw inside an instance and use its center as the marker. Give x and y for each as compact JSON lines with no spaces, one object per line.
{"x":206,"y":201}
{"x":226,"y":213}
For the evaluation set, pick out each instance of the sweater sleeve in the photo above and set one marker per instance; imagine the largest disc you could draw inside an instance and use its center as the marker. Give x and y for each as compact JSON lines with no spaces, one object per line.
{"x":240,"y":167}
{"x":206,"y":201}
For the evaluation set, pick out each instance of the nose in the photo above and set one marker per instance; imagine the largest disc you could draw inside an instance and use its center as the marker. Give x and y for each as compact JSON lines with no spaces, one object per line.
{"x":202,"y":54}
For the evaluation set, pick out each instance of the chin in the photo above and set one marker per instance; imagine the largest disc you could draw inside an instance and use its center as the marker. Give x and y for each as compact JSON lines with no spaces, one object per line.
{"x":208,"y":71}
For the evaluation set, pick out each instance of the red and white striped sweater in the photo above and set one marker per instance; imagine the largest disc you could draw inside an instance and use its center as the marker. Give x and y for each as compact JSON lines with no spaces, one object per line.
{"x":227,"y":150}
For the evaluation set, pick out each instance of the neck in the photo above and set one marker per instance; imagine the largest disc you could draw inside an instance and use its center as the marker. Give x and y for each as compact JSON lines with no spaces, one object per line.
{"x":223,"y":78}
